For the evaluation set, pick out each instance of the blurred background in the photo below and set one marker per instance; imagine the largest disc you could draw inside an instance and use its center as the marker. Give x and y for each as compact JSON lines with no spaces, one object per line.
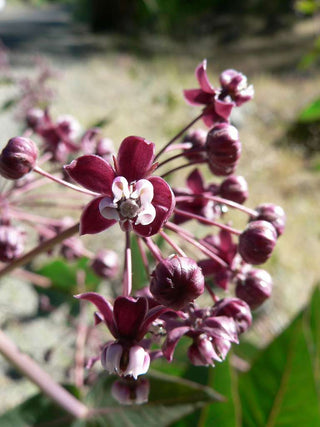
{"x":125,"y":63}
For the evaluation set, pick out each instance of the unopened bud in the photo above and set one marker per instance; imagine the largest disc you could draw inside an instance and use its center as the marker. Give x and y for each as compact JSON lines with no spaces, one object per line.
{"x":234,"y":188}
{"x":106,"y":264}
{"x":176,"y":281}
{"x":197,"y":139}
{"x":273,"y":214}
{"x":18,"y":157}
{"x":254,"y":288}
{"x":257,"y":242}
{"x":223,"y":149}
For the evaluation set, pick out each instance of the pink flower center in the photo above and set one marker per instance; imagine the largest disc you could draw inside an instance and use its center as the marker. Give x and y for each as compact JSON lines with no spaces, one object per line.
{"x":130,"y":202}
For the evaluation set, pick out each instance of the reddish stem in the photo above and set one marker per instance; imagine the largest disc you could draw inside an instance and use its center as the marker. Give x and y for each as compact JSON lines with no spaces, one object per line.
{"x":172,"y":243}
{"x":153,"y":248}
{"x":196,"y":162}
{"x":127,"y":273}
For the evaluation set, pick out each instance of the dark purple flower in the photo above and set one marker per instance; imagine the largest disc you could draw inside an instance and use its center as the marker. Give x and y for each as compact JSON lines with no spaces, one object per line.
{"x":130,"y":392}
{"x":198,"y":205}
{"x":234,"y":188}
{"x":197,"y":140}
{"x":128,"y":321}
{"x":222,"y":245}
{"x":216,"y":109}
{"x":273,"y":214}
{"x":257,"y":242}
{"x":223,"y":149}
{"x":235,"y":308}
{"x":127,"y":193}
{"x":254,"y":288}
{"x":18,"y":157}
{"x":176,"y":281}
{"x":234,"y":87}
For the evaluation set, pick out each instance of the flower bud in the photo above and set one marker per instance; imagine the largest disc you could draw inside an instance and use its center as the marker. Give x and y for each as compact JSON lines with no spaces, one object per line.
{"x":197,"y":139}
{"x":234,"y":188}
{"x":177,"y":281}
{"x":254,"y":288}
{"x":68,"y":125}
{"x":18,"y":157}
{"x":235,"y":308}
{"x":131,"y":392}
{"x":202,"y":352}
{"x":106,"y":264}
{"x":273,"y":214}
{"x":223,"y":149}
{"x":234,"y":85}
{"x":35,"y":118}
{"x":11,"y":243}
{"x":105,"y":148}
{"x":257,"y":242}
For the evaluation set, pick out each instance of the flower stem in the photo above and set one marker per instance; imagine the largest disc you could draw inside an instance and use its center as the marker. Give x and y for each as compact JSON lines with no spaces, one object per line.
{"x":178,"y":135}
{"x":127,"y":274}
{"x":172,"y":243}
{"x":196,"y":162}
{"x":184,"y":154}
{"x":143,"y":256}
{"x":207,"y":221}
{"x":45,"y":246}
{"x":39,"y":377}
{"x":65,"y":183}
{"x":153,"y":248}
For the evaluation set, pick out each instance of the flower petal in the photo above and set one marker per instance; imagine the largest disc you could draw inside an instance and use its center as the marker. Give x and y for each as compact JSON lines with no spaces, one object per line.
{"x":92,"y":172}
{"x":195,"y":182}
{"x":163,"y":201}
{"x":120,"y":188}
{"x":201,"y":75}
{"x":104,"y":307}
{"x":223,"y":108}
{"x":91,"y":221}
{"x":129,"y":315}
{"x":197,"y":97}
{"x":135,"y":158}
{"x":173,"y":336}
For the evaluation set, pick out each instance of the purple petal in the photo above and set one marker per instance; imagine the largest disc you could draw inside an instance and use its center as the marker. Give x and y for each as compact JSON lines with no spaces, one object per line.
{"x":104,"y":307}
{"x":163,"y":201}
{"x":210,"y":116}
{"x":93,"y":173}
{"x":91,"y":221}
{"x":221,"y":327}
{"x":152,"y":315}
{"x":197,"y":97}
{"x":223,"y":108}
{"x":201,"y":75}
{"x":129,"y":315}
{"x":135,"y":158}
{"x":195,"y":182}
{"x":173,"y":337}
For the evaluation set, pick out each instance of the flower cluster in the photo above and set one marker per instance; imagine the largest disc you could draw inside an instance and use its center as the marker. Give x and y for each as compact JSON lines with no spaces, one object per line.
{"x":131,"y":189}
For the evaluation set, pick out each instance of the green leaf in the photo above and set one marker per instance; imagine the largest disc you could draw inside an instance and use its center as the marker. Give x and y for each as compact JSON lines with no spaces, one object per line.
{"x":8,"y":104}
{"x":282,"y":387}
{"x":64,"y":275}
{"x":311,"y":112}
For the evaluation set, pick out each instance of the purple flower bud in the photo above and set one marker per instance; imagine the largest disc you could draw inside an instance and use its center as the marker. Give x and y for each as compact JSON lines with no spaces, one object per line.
{"x":131,"y":392}
{"x":11,"y":243}
{"x":177,"y":281}
{"x":235,"y":308}
{"x":274,"y":214}
{"x":105,"y":148}
{"x":254,"y":288}
{"x":106,"y":264}
{"x":223,"y":149}
{"x":35,"y":118}
{"x":234,"y":85}
{"x":18,"y":157}
{"x":125,"y":361}
{"x":257,"y":242}
{"x":234,"y":188}
{"x":197,"y":139}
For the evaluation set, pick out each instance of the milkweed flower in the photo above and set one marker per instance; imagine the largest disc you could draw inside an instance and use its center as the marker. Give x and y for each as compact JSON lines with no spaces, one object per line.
{"x":126,"y":193}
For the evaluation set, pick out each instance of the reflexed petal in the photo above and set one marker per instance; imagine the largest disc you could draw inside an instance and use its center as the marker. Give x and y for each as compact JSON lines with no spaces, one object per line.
{"x":223,"y":108}
{"x":201,"y":75}
{"x":92,"y":172}
{"x":129,"y":315}
{"x":152,"y":315}
{"x":91,"y":221}
{"x":139,"y":362}
{"x":244,"y":96}
{"x":221,"y":327}
{"x":120,"y":188}
{"x":197,"y":97}
{"x":104,"y":307}
{"x":135,"y":158}
{"x":195,"y":182}
{"x":210,"y":116}
{"x":172,"y":340}
{"x":108,"y":209}
{"x":163,"y":201}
